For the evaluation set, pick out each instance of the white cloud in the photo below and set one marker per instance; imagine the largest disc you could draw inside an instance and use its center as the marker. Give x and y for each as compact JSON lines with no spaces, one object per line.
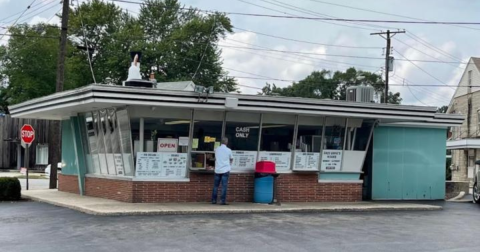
{"x":37,"y":19}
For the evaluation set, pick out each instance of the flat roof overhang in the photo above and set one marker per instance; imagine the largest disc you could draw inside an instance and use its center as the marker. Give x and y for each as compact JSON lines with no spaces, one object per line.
{"x":94,"y":97}
{"x":467,"y":143}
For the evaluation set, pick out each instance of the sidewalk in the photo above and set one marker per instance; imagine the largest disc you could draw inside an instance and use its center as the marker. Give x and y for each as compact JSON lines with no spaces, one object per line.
{"x":99,"y":206}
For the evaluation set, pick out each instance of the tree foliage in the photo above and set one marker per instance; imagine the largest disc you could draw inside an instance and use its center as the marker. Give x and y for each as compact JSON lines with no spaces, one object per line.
{"x":181,"y":43}
{"x":324,"y":85}
{"x":442,"y":109}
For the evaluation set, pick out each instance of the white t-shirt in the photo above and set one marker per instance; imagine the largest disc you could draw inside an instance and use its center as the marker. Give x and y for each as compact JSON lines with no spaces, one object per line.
{"x":223,"y":154}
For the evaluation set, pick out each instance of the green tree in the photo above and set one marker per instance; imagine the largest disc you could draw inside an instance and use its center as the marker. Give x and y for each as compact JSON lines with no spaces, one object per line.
{"x":442,"y":109}
{"x":30,"y":61}
{"x":183,"y":44}
{"x":176,"y":44}
{"x":316,"y":85}
{"x":321,"y":85}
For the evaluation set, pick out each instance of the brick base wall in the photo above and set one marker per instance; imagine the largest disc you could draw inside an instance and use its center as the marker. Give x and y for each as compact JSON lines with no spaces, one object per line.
{"x":290,"y":188}
{"x":306,"y":188}
{"x":120,"y":190}
{"x":68,"y":183}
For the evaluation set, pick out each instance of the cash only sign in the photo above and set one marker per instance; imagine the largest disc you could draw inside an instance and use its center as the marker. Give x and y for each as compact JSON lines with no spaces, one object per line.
{"x":27,"y":135}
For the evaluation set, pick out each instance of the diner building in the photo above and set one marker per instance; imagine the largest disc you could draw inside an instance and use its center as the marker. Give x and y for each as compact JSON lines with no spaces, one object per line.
{"x":157,"y":144}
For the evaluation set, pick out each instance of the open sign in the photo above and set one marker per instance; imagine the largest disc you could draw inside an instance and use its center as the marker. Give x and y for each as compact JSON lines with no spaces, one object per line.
{"x":167,"y":145}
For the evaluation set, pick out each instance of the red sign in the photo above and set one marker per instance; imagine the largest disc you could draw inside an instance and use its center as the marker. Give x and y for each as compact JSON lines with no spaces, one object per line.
{"x":27,"y":133}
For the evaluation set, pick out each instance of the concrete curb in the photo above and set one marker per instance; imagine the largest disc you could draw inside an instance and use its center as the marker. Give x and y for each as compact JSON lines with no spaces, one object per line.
{"x":227,"y":210}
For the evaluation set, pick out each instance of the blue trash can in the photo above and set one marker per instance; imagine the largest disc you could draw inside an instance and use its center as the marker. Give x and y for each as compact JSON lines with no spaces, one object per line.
{"x":263,"y":188}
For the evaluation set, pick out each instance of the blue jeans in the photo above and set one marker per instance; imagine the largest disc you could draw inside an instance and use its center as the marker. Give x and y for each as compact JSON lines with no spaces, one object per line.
{"x":223,"y":177}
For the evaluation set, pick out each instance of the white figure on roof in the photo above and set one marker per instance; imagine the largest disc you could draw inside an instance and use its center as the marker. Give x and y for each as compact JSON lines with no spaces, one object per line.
{"x":134,"y":70}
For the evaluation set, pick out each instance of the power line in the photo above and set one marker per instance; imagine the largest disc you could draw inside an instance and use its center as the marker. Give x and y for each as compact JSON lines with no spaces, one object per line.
{"x":324,"y":61}
{"x":8,"y":17}
{"x":86,"y":45}
{"x":29,"y":36}
{"x":384,"y":13}
{"x":206,"y":47}
{"x":40,"y":11}
{"x":432,"y":47}
{"x":307,"y":42}
{"x":28,"y":7}
{"x":429,"y":74}
{"x":314,"y":13}
{"x":422,"y":52}
{"x":414,"y":96}
{"x":282,"y":12}
{"x":319,"y":18}
{"x":343,"y":56}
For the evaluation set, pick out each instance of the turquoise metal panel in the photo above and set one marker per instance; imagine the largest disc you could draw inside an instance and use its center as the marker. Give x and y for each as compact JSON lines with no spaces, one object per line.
{"x":411,"y":171}
{"x":395,"y":163}
{"x":69,"y":158}
{"x":410,"y":162}
{"x":380,"y":164}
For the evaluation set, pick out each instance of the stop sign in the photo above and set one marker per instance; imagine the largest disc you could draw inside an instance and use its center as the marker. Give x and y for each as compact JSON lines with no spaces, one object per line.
{"x":27,"y":134}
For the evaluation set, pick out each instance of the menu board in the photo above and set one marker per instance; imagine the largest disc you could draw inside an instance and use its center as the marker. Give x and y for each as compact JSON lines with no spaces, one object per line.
{"x":306,"y":161}
{"x":118,"y":160}
{"x":244,"y":160}
{"x":331,"y":160}
{"x":281,"y":159}
{"x":161,"y":165}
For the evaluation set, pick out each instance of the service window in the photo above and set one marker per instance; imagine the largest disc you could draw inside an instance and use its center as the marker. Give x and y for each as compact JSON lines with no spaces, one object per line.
{"x":276,"y":140}
{"x":333,"y":144}
{"x":308,"y":144}
{"x":207,"y":134}
{"x":165,"y":145}
{"x":242,"y":130}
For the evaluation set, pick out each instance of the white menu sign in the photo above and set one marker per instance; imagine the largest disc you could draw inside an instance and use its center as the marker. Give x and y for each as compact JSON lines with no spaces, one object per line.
{"x":244,"y":160}
{"x":306,"y":161}
{"x":331,"y":160}
{"x":281,"y":159}
{"x":161,"y":165}
{"x":118,"y":158}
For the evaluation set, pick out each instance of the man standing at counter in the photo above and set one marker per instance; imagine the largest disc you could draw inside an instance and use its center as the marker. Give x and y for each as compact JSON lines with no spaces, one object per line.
{"x":223,"y":165}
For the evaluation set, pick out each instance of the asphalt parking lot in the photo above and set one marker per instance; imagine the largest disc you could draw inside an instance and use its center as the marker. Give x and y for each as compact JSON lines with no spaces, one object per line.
{"x":33,"y":226}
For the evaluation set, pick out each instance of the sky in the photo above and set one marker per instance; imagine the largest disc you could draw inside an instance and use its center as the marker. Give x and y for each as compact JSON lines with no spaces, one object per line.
{"x":319,"y":41}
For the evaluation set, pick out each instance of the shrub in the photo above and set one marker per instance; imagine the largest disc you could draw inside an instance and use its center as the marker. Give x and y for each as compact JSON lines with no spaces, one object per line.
{"x":10,"y":189}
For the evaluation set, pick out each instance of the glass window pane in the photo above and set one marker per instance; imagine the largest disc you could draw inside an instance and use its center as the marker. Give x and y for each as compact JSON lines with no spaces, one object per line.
{"x":334,"y":133}
{"x":166,"y":143}
{"x":207,"y":131}
{"x":99,"y":133}
{"x":277,"y":132}
{"x":362,"y":134}
{"x":242,"y":131}
{"x":107,"y":131}
{"x":159,"y":129}
{"x":308,"y":144}
{"x":125,"y":140}
{"x":309,"y":136}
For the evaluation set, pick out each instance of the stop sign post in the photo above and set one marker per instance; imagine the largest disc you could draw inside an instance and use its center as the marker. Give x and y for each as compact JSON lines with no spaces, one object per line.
{"x":27,"y":134}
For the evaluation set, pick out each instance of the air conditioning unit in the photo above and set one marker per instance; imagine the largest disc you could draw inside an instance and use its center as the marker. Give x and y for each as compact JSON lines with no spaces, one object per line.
{"x":360,"y":94}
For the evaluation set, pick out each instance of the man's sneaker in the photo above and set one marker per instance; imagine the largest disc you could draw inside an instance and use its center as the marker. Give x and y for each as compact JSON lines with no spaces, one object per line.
{"x":214,"y":202}
{"x":225,"y":203}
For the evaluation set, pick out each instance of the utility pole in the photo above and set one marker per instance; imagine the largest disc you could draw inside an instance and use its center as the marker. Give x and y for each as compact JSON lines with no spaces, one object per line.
{"x":389,"y":35}
{"x":55,"y":131}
